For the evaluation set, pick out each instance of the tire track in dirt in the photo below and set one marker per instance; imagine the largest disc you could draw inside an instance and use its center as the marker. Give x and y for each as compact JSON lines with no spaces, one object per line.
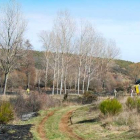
{"x":64,"y":126}
{"x":41,"y":128}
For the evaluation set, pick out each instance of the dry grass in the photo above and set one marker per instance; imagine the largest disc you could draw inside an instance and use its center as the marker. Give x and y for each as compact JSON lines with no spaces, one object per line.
{"x":122,"y":99}
{"x":7,"y":97}
{"x":128,"y":120}
{"x":92,"y":125}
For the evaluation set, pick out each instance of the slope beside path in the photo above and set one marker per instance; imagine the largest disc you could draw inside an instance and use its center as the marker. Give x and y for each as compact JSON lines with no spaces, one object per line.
{"x":64,"y":126}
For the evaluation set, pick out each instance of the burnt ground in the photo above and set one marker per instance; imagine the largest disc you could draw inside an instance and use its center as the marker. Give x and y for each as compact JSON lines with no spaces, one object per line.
{"x":17,"y":132}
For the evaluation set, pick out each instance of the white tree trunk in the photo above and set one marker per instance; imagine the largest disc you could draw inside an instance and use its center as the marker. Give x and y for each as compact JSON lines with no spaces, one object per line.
{"x":46,"y":73}
{"x":84,"y":78}
{"x":54,"y":75}
{"x":75,"y":83}
{"x":61,"y":84}
{"x":66,"y":80}
{"x":58,"y":80}
{"x":65,"y":86}
{"x":5,"y":83}
{"x":84,"y":82}
{"x":79,"y":74}
{"x":62,"y":75}
{"x":88,"y":83}
{"x":58,"y":73}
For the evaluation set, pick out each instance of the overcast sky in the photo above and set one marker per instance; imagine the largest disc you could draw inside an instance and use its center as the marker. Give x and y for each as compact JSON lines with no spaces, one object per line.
{"x":115,"y":19}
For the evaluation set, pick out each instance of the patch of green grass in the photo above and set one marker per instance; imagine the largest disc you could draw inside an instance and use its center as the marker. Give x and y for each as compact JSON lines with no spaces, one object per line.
{"x":11,"y":131}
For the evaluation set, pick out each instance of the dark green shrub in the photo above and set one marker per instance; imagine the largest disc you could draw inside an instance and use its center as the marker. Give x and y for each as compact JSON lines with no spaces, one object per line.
{"x":88,"y":97}
{"x":6,"y":112}
{"x":110,"y":107}
{"x":131,"y":103}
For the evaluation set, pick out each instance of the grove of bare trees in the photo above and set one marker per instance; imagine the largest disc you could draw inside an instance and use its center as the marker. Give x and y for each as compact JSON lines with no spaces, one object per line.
{"x":77,"y":54}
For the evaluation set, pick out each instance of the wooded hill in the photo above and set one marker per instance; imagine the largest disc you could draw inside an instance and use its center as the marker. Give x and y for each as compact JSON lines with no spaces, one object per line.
{"x":32,"y":75}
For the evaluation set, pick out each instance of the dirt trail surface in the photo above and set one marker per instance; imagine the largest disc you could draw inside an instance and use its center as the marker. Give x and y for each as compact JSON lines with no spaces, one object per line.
{"x":41,"y":131}
{"x":64,"y":126}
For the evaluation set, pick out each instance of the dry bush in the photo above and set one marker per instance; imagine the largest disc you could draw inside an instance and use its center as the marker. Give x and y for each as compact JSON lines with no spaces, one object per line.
{"x":89,"y":97}
{"x":32,"y":103}
{"x":18,"y":104}
{"x":131,"y":103}
{"x":127,"y":118}
{"x":47,"y":101}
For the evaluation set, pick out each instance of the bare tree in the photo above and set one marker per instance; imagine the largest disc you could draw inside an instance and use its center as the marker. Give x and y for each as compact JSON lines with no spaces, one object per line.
{"x":64,"y":29}
{"x":55,"y":53}
{"x":46,"y":39}
{"x":38,"y":78}
{"x":108,"y":53}
{"x":94,"y":54}
{"x":89,"y":53}
{"x":12,"y":28}
{"x":28,"y":62}
{"x":83,"y":44}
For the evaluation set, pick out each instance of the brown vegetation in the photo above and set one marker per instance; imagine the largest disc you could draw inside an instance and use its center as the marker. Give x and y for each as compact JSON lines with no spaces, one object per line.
{"x":32,"y":103}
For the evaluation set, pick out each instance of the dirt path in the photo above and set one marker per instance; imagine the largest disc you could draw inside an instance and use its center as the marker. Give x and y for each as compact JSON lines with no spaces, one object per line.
{"x":64,"y":126}
{"x":41,"y":128}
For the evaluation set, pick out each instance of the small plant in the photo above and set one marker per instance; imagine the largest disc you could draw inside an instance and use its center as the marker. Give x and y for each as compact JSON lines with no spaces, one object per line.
{"x":89,"y":97}
{"x":138,"y":105}
{"x":131,"y":103}
{"x":6,"y":112}
{"x":110,"y":107}
{"x":33,"y":102}
{"x":126,"y":118}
